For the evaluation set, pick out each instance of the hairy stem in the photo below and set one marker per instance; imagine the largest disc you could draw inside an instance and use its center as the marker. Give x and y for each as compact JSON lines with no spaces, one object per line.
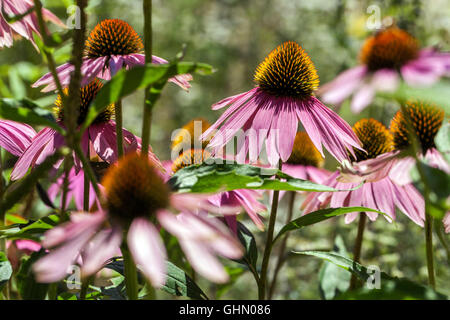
{"x":358,"y":246}
{"x":281,"y":258}
{"x":130,"y":273}
{"x":147,"y":117}
{"x":269,"y":244}
{"x":119,"y":125}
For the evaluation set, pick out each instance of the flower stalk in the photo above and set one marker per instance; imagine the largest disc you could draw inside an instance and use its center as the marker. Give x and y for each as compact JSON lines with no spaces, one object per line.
{"x":130,"y":273}
{"x":269,"y":244}
{"x":358,"y":246}
{"x":147,"y":117}
{"x":119,"y":125}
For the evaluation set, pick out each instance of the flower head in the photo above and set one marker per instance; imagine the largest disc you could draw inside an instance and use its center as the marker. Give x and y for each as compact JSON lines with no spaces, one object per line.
{"x":112,"y":45}
{"x":101,"y":134}
{"x":87,"y":95}
{"x":287,"y":72}
{"x":284,"y":96}
{"x":378,"y":192}
{"x":134,"y":188}
{"x":387,"y":56}
{"x":391,"y":48}
{"x":112,"y":37}
{"x":425,"y":120}
{"x":190,"y":157}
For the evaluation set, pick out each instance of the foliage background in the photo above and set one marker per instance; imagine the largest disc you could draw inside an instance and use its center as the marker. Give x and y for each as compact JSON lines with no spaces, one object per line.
{"x":234,"y":36}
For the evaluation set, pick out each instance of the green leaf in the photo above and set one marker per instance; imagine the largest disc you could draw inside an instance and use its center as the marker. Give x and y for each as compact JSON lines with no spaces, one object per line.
{"x":5,"y":270}
{"x":179,"y":283}
{"x":319,"y":216}
{"x":126,"y":82}
{"x":23,"y":188}
{"x":26,"y":111}
{"x":333,"y":280}
{"x":214,"y":176}
{"x":28,"y":288}
{"x":390,"y":287}
{"x":248,"y":241}
{"x":235,"y":273}
{"x":33,"y":230}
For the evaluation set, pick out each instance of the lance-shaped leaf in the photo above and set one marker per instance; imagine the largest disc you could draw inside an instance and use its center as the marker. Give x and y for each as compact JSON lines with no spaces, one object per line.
{"x":5,"y":270}
{"x":26,"y":111}
{"x":126,"y":82}
{"x":179,"y":283}
{"x":321,"y":215}
{"x":379,"y":285}
{"x":32,"y":230}
{"x":217,"y":176}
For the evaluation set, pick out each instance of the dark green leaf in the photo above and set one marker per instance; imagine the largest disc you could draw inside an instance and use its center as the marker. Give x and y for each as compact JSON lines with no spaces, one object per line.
{"x":28,"y":112}
{"x":319,"y":216}
{"x":126,"y":82}
{"x":5,"y":270}
{"x":247,"y":239}
{"x":28,"y":288}
{"x":333,"y":280}
{"x":179,"y":283}
{"x":31,"y":230}
{"x":215,"y":176}
{"x":390,"y":287}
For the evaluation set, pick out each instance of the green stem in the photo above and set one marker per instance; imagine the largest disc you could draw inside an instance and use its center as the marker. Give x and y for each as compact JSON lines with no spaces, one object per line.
{"x":87,"y":169}
{"x":281,"y":259}
{"x":130,"y":273}
{"x":358,"y":246}
{"x":85,"y":287}
{"x":269,"y":244}
{"x":427,"y":192}
{"x":147,"y":116}
{"x":53,"y":291}
{"x":119,"y":125}
{"x":429,"y":249}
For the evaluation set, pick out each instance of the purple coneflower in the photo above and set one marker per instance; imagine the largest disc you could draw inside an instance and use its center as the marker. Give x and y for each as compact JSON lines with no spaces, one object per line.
{"x":379,"y":192}
{"x":101,"y":133}
{"x":112,"y":45}
{"x":24,"y":26}
{"x":426,"y":120}
{"x":388,"y":55}
{"x":136,"y":200}
{"x":284,"y":96}
{"x":15,"y":137}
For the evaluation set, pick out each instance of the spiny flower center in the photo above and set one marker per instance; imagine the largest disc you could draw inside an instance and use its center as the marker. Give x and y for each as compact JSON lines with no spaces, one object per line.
{"x":287,"y":72}
{"x":188,"y":136}
{"x":87,"y":95}
{"x":134,"y":189}
{"x":190,"y":157}
{"x":390,"y":48}
{"x":426,"y":119}
{"x":304,"y":152}
{"x":112,"y":37}
{"x":375,"y":138}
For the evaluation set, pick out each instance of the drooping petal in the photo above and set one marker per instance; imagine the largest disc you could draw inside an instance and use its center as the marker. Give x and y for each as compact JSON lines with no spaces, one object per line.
{"x":148,"y":250}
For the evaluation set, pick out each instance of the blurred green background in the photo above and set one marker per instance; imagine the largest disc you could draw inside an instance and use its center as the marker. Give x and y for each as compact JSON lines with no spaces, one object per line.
{"x":234,"y":36}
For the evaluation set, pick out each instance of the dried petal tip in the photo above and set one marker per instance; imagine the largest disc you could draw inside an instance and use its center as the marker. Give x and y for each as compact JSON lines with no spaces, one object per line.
{"x":375,"y":138}
{"x":304,"y":152}
{"x":426,"y":120}
{"x":134,"y":189}
{"x":112,"y":37}
{"x":390,"y":48}
{"x":287,"y":72}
